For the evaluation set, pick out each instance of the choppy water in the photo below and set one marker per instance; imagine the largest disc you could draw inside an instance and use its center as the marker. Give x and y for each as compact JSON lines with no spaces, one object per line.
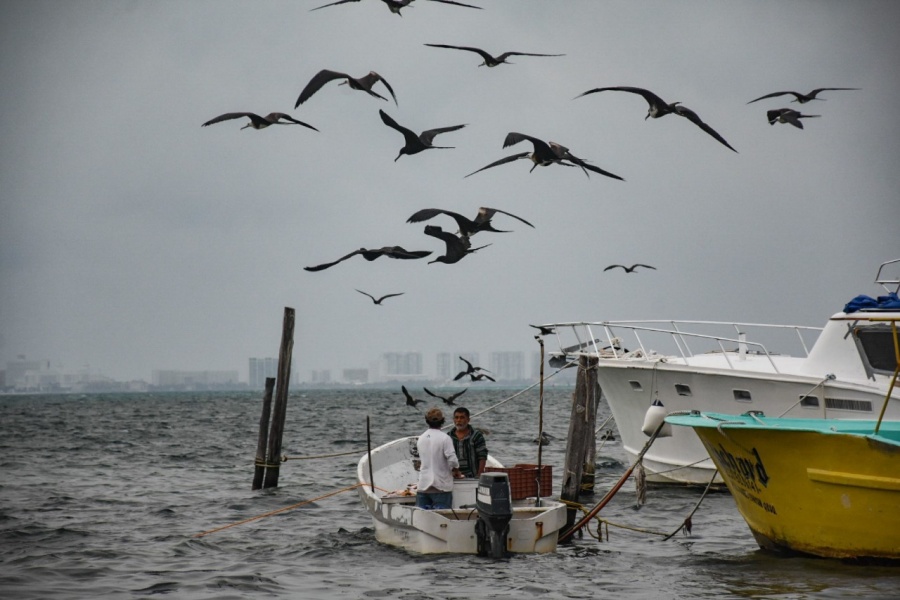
{"x":100,"y":497}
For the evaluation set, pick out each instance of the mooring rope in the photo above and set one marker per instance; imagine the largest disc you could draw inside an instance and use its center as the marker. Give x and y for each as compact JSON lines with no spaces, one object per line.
{"x":829,"y":377}
{"x":279,"y":510}
{"x":522,"y":391}
{"x":612,"y":492}
{"x":686,"y":524}
{"x":286,"y":458}
{"x":673,"y":469}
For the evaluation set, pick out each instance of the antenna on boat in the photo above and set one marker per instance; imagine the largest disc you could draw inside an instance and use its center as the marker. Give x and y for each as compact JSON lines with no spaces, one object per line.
{"x":540,"y":341}
{"x":369,"y":452}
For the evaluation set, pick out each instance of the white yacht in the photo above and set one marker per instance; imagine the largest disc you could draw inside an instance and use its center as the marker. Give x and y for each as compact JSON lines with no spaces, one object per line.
{"x":841,"y":371}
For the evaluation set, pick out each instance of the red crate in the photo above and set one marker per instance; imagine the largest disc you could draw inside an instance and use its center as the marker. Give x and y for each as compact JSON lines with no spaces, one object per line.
{"x":523,"y":480}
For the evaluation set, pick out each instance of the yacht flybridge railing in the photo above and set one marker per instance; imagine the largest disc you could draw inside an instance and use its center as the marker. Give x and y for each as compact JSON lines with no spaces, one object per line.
{"x":687,"y":339}
{"x":889,"y":276}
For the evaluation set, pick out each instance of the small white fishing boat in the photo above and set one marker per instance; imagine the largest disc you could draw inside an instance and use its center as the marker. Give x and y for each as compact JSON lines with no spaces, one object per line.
{"x":646,"y":367}
{"x":486,"y":518}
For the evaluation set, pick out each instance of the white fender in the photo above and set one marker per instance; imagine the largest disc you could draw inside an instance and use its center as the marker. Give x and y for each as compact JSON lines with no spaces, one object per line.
{"x":656,"y":414}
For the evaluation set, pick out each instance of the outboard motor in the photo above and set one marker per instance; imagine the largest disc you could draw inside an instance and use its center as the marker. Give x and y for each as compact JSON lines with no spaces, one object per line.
{"x":492,"y":499}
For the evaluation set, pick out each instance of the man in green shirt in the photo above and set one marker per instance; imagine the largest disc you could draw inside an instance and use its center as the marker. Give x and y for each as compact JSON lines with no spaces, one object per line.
{"x":471,"y":449}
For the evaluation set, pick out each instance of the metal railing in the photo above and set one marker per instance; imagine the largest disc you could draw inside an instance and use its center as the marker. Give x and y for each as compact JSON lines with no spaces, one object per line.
{"x":606,"y":339}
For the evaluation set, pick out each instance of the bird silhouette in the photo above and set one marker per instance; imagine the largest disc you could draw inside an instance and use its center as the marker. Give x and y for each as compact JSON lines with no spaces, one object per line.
{"x":416,"y":143}
{"x":378,"y":300}
{"x":660,"y":108}
{"x":457,"y":247}
{"x":258,"y":122}
{"x":544,"y":154}
{"x":480,"y":376}
{"x":544,"y":330}
{"x":363,"y":83}
{"x":447,"y":399}
{"x":410,"y":401}
{"x":787,"y":115}
{"x":467,"y":227}
{"x":471,"y":370}
{"x":629,"y":269}
{"x":801,"y":98}
{"x":396,"y":5}
{"x":372,"y":254}
{"x":490,"y":61}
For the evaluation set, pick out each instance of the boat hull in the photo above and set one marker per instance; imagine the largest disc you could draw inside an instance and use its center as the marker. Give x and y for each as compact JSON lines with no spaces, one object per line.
{"x":631,"y":386}
{"x":816,"y":487}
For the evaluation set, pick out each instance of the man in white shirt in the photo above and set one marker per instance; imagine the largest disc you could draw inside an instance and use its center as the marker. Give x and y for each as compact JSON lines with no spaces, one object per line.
{"x":439,"y":465}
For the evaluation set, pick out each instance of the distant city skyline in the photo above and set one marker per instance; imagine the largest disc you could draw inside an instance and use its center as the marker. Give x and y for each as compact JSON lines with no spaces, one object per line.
{"x":25,"y":373}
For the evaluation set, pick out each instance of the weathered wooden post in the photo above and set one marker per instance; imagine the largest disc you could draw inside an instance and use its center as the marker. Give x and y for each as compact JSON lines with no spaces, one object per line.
{"x":580,"y":430}
{"x":279,"y":410}
{"x":590,"y":453}
{"x":263,"y":440}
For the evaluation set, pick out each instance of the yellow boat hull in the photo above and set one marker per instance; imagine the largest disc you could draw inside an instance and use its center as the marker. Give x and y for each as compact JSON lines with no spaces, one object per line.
{"x":815,"y":491}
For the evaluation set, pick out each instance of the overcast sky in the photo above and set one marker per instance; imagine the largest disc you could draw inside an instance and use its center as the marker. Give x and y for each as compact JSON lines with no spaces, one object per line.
{"x":132,"y":239}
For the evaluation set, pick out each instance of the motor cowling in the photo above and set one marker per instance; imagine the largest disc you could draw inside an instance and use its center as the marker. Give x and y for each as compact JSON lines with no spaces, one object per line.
{"x":492,"y":499}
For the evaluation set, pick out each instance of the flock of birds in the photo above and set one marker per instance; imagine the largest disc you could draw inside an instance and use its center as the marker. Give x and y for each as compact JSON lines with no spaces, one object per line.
{"x":458,"y":245}
{"x":474,"y":373}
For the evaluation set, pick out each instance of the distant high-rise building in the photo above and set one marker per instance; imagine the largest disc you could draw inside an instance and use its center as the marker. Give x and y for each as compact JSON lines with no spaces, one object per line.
{"x":508,"y":366}
{"x":535,"y":364}
{"x":169,"y":378}
{"x":401,"y":365}
{"x":260,"y":369}
{"x":357,"y":375}
{"x":20,"y":373}
{"x":320,"y":376}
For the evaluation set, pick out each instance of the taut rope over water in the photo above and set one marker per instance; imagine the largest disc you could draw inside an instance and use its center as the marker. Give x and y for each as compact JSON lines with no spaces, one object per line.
{"x":279,"y":510}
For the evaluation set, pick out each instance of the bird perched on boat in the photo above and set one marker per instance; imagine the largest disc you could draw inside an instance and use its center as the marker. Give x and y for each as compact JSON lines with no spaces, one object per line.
{"x":258,"y":122}
{"x":629,"y":269}
{"x":447,"y":399}
{"x":660,"y":108}
{"x":457,"y":247}
{"x":787,"y":115}
{"x":410,"y":401}
{"x":801,"y":98}
{"x":396,"y":5}
{"x":363,"y":83}
{"x":372,"y":254}
{"x":544,"y":330}
{"x":378,"y":300}
{"x":490,"y":61}
{"x":544,"y":154}
{"x":467,"y":227}
{"x":416,"y":143}
{"x":471,"y":370}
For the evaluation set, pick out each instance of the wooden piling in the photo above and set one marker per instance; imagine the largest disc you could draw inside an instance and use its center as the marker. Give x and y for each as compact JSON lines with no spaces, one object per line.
{"x":580,"y":432}
{"x":263,"y":440}
{"x":590,"y":452}
{"x":279,"y":410}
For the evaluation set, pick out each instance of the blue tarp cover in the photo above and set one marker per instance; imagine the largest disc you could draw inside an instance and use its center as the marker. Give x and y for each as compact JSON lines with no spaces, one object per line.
{"x":891,"y":301}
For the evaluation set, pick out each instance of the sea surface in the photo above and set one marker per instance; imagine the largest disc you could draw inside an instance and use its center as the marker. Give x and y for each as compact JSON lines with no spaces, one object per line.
{"x":101,"y":496}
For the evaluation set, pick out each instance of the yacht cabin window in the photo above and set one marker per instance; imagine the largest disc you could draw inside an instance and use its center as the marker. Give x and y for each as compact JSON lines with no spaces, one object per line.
{"x":877,"y":347}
